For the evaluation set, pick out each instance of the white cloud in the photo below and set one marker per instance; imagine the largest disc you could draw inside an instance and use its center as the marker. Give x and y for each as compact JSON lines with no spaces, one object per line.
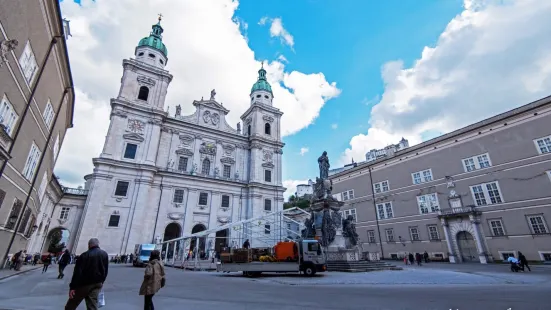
{"x":291,"y":186}
{"x":304,"y":150}
{"x":334,"y":126}
{"x":488,"y":60}
{"x":278,"y":31}
{"x":282,"y":59}
{"x":215,"y":55}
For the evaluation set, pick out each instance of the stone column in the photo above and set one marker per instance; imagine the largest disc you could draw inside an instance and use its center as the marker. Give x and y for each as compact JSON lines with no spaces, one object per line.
{"x":478,"y":237}
{"x":448,"y":240}
{"x":153,"y":143}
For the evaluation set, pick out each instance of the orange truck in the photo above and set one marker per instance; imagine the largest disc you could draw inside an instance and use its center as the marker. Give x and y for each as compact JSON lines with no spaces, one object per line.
{"x":286,"y":251}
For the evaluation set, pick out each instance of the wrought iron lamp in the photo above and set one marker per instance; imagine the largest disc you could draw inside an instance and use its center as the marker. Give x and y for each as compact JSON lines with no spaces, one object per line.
{"x":401,"y":241}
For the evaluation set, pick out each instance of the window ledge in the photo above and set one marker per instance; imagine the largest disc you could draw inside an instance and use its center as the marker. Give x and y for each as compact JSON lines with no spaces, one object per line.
{"x":500,"y":237}
{"x":541,"y":235}
{"x":435,"y":240}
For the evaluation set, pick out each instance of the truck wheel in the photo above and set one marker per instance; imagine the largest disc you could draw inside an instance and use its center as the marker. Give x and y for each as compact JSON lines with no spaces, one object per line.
{"x":247,"y":274}
{"x":309,"y":271}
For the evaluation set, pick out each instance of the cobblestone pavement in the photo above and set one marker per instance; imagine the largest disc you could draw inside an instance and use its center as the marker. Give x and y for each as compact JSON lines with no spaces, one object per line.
{"x":408,"y":289}
{"x":6,"y":272}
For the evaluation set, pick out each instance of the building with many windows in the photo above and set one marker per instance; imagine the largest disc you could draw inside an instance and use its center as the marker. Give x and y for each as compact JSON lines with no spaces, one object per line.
{"x":481,"y":193}
{"x":36,"y":109}
{"x":160,"y":176}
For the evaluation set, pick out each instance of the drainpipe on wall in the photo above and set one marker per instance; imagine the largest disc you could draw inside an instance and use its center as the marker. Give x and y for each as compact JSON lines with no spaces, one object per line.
{"x":376,"y":215}
{"x":158,"y":210}
{"x":43,"y":155}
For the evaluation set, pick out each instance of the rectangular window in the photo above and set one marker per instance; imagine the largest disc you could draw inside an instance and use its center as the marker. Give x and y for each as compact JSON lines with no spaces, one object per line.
{"x":29,"y":231}
{"x":428,"y":203}
{"x":543,"y":144}
{"x":203,"y":199}
{"x":546,"y":257}
{"x":178,"y":196}
{"x":267,"y":205}
{"x":28,"y":64}
{"x":130,"y":151}
{"x":422,"y":176}
{"x":267,"y":229}
{"x":389,"y":235}
{"x":48,"y":114}
{"x":43,"y":184}
{"x":225,"y":201}
{"x":24,"y":221}
{"x":384,"y":210}
{"x":486,"y":193}
{"x":381,"y":187}
{"x":347,"y":195}
{"x":182,"y":163}
{"x":56,"y":147}
{"x":64,"y":214}
{"x":32,"y":162}
{"x":537,"y":224}
{"x":371,"y":236}
{"x":227,"y":171}
{"x":14,"y":214}
{"x":414,"y":233}
{"x":267,"y":176}
{"x":114,"y":220}
{"x":496,"y":226}
{"x":506,"y":255}
{"x":122,"y":188}
{"x":8,"y":116}
{"x":433,"y":232}
{"x":2,"y":196}
{"x":476,"y":162}
{"x":351,"y":212}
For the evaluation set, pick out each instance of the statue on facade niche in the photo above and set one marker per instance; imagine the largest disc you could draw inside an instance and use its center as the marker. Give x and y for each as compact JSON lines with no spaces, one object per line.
{"x":238,"y":127}
{"x":178,"y":110}
{"x":194,"y":169}
{"x":212,"y":94}
{"x":349,"y":230}
{"x":323,"y":162}
{"x":216,"y":172}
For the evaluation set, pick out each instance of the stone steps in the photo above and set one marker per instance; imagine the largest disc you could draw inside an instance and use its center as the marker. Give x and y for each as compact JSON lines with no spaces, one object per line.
{"x":360,"y":266}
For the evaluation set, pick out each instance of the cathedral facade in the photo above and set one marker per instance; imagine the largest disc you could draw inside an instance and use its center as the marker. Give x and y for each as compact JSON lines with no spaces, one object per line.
{"x":161,"y":176}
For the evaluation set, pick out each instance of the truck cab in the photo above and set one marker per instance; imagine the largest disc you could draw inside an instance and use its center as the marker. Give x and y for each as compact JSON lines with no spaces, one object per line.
{"x":142,"y":253}
{"x":312,"y":259}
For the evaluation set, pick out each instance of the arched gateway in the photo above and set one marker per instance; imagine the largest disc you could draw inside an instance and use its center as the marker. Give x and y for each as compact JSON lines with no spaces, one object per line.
{"x":467,"y":246}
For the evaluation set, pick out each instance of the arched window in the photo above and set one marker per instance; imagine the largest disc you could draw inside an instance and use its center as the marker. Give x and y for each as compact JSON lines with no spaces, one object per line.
{"x":249,"y":130}
{"x":267,"y":129}
{"x":205,"y":169}
{"x":144,"y":93}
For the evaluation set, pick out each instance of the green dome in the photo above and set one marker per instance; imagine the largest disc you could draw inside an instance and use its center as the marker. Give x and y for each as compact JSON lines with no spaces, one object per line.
{"x":155,"y":39}
{"x":262,"y":83}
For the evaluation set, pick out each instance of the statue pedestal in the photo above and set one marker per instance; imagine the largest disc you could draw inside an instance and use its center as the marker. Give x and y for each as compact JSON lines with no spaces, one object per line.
{"x":340,"y":250}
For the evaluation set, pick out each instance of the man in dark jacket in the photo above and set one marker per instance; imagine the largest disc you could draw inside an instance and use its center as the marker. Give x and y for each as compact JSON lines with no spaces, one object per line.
{"x":64,"y":260}
{"x":88,"y":277}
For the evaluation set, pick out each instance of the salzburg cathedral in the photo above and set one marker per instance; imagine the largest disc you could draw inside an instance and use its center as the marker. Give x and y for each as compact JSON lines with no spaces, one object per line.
{"x":160,"y":176}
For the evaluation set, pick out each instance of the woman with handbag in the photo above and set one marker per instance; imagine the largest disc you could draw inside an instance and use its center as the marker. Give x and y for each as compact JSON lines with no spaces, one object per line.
{"x":154,"y":279}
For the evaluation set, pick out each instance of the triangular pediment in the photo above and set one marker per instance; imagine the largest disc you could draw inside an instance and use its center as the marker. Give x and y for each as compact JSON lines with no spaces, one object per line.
{"x":211,"y":104}
{"x":133,"y":136}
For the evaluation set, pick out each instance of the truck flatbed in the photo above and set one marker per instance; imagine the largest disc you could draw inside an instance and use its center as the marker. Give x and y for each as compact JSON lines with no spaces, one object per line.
{"x":259,"y":267}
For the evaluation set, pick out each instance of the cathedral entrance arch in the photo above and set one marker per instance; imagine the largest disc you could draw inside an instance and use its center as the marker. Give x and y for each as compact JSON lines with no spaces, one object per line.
{"x":172,"y":231}
{"x":467,"y":247}
{"x":221,"y":240}
{"x":56,"y":241}
{"x":201,"y":248}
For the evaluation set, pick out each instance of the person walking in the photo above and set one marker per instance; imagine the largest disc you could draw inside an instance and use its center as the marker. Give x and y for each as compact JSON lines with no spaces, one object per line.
{"x":406,"y":259}
{"x":64,"y":260}
{"x":426,"y":257}
{"x":46,"y":262}
{"x":523,"y":261}
{"x":418,"y":259}
{"x":411,"y":258}
{"x":246,"y":244}
{"x":36,"y":257}
{"x":89,"y":275}
{"x":153,"y":280}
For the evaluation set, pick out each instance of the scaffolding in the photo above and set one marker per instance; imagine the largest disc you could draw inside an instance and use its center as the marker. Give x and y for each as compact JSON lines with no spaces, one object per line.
{"x":196,"y":250}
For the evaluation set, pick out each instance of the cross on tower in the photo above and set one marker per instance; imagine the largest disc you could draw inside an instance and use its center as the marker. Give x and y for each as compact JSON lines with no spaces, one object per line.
{"x":160,"y":16}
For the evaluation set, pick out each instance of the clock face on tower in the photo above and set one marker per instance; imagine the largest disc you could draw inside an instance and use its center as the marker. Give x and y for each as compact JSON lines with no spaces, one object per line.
{"x":135,"y":125}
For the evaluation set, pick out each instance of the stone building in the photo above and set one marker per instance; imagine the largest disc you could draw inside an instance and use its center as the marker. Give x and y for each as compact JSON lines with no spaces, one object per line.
{"x":160,"y":176}
{"x":481,"y":193}
{"x":36,"y":109}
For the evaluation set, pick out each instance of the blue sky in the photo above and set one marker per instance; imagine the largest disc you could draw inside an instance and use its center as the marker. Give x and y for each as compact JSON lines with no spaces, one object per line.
{"x":357,"y":74}
{"x":349,"y":41}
